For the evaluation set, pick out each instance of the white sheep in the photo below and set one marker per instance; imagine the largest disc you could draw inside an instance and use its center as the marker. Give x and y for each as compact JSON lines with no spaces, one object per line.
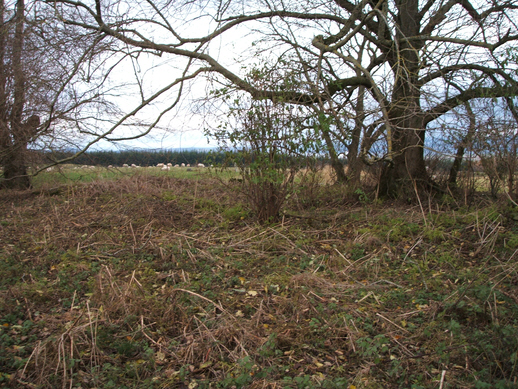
{"x":170,"y":164}
{"x":201,"y":165}
{"x":183,"y":164}
{"x":176,"y":165}
{"x":188,"y":165}
{"x":165,"y":168}
{"x":160,"y":165}
{"x":125,"y":165}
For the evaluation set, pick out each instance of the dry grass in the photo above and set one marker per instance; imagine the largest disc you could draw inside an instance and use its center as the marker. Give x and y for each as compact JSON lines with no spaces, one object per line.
{"x":163,"y":282}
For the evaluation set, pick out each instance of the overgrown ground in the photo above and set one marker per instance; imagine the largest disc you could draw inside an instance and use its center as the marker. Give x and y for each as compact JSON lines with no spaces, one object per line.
{"x":162,"y":282}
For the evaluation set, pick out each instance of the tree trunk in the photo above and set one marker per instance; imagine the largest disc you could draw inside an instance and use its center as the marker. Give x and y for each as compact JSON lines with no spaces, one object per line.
{"x":337,"y":166}
{"x":406,"y":171}
{"x":15,"y":170}
{"x":14,"y":134}
{"x":455,"y":168}
{"x":354,"y":163}
{"x":5,"y":137}
{"x":459,"y":156}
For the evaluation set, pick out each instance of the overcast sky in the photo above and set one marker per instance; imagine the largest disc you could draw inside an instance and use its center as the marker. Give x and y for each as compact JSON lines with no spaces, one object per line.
{"x":184,"y":126}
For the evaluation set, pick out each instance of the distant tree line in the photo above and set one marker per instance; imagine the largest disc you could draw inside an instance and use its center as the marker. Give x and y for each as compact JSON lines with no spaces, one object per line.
{"x":142,"y":157}
{"x":151,"y":157}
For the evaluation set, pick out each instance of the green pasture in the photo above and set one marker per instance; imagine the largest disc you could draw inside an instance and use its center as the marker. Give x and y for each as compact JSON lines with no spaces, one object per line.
{"x":69,"y":174}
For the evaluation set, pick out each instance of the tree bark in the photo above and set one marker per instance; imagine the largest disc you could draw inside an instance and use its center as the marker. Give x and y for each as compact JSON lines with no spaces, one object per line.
{"x":4,"y":125}
{"x":354,"y":163}
{"x":455,"y":167}
{"x":406,"y":170}
{"x":15,"y":170}
{"x":459,"y":156}
{"x":337,"y":166}
{"x":15,"y":134}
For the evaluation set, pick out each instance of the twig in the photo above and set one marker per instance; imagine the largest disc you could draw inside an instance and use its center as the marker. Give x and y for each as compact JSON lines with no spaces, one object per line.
{"x":142,"y":327}
{"x":73,"y":300}
{"x":320,"y":264}
{"x":148,"y":239}
{"x":289,"y":241}
{"x":216,"y":342}
{"x":335,"y":217}
{"x":412,"y":248}
{"x":388,"y":282}
{"x":241,"y":345}
{"x":354,"y":263}
{"x":415,"y":263}
{"x":247,"y":239}
{"x":134,"y":237}
{"x":71,"y":358}
{"x":371,"y":293}
{"x":419,"y":200}
{"x":36,"y":350}
{"x":349,"y":337}
{"x":317,"y":296}
{"x":343,"y":256}
{"x":93,"y":334}
{"x":391,"y":322}
{"x":189,"y":237}
{"x":194,"y":200}
{"x":442,"y":379}
{"x":204,"y":298}
{"x":405,"y":350}
{"x":410,"y":313}
{"x":496,"y":309}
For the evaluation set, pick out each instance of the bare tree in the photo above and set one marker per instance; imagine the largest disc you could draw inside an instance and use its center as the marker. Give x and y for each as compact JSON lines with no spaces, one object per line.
{"x":416,"y":49}
{"x":461,"y":146}
{"x":496,"y":145}
{"x":14,"y":132}
{"x":48,"y":85}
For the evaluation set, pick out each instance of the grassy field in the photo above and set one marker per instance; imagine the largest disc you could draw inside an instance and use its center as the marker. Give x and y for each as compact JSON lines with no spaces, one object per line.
{"x":69,"y":174}
{"x":127,"y":279}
